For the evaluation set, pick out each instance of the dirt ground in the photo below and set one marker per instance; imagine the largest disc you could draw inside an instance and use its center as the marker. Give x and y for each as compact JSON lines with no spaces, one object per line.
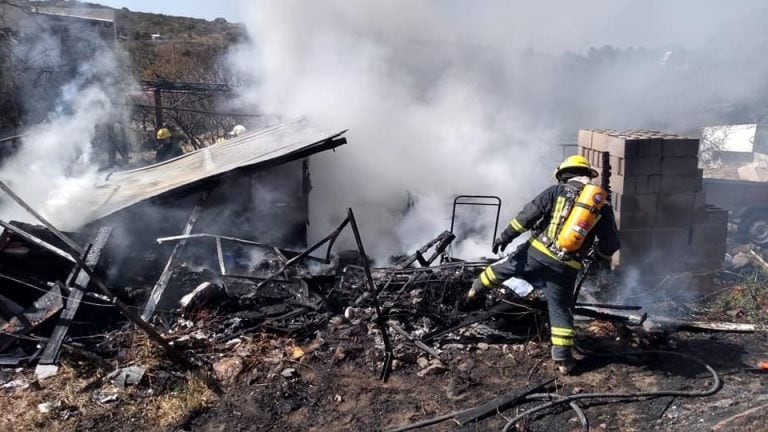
{"x":328,"y":381}
{"x":348,"y":396}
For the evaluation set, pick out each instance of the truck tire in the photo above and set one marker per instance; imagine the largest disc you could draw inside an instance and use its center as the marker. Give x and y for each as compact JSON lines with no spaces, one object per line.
{"x":756,"y":227}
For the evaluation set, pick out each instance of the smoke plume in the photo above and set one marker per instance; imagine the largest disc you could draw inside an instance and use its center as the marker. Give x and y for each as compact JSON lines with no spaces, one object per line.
{"x":446,"y":98}
{"x":73,"y":88}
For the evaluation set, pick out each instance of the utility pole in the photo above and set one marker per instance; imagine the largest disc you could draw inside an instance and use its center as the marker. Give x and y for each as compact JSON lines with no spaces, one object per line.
{"x":158,"y":107}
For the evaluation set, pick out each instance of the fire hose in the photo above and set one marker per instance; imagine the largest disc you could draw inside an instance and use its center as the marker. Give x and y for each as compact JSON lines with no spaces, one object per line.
{"x":714,"y":388}
{"x":571,"y":399}
{"x":529,"y":398}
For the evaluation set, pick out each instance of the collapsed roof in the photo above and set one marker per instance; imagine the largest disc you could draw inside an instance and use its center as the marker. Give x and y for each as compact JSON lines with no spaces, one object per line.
{"x":262,"y":148}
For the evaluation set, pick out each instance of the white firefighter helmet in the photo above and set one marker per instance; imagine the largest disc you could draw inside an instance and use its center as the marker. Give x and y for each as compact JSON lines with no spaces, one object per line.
{"x":238,"y":130}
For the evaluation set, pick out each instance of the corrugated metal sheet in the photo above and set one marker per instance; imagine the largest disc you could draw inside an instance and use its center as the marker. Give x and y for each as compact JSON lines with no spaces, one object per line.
{"x":264,"y":147}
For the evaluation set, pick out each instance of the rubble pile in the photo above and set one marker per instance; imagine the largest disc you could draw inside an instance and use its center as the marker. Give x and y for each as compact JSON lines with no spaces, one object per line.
{"x":230,"y":319}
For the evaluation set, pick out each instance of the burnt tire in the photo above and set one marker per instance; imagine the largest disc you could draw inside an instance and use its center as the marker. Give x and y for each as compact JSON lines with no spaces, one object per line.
{"x":756,"y":228}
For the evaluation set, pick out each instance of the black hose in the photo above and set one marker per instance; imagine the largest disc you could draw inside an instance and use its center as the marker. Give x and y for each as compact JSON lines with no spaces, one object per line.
{"x":530,"y":397}
{"x":579,"y":413}
{"x":429,"y":422}
{"x":716,"y":385}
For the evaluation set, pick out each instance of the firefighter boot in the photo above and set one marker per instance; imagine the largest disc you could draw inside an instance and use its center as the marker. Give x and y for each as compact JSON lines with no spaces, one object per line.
{"x":476,"y":292}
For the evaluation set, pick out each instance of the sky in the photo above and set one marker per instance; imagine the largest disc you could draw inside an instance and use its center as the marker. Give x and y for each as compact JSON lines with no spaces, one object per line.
{"x":626,"y":24}
{"x":205,"y":9}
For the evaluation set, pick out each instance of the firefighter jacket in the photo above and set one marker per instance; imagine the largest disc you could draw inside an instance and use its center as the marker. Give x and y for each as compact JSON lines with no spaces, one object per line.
{"x":544,"y":215}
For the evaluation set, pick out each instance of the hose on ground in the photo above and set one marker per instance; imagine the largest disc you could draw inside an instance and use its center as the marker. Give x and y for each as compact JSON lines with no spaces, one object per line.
{"x":530,"y":397}
{"x":714,"y":388}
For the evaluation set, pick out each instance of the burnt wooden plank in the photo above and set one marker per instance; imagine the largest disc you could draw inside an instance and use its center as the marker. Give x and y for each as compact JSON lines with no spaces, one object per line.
{"x":53,"y":347}
{"x":165,"y":276}
{"x":43,"y":309}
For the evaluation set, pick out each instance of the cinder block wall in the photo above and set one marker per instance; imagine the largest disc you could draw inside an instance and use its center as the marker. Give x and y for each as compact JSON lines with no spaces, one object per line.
{"x":665,"y":225}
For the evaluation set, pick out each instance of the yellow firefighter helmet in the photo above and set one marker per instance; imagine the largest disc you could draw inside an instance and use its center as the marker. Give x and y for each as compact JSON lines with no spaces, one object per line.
{"x":575,"y":162}
{"x":163,"y":133}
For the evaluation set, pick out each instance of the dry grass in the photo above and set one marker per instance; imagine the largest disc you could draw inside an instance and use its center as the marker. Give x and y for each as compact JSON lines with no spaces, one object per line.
{"x":176,"y":407}
{"x":159,"y":409}
{"x":746,"y":301}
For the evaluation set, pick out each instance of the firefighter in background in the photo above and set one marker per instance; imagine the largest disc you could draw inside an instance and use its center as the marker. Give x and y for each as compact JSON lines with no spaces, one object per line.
{"x":564,"y":220}
{"x":167,"y":147}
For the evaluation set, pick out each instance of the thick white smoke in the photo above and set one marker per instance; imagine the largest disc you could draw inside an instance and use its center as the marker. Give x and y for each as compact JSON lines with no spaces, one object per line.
{"x":459,"y":97}
{"x":424,"y":128}
{"x":54,"y":169}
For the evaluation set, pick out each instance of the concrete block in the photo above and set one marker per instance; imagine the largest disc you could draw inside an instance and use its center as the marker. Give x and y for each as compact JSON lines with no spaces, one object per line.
{"x":585,"y":138}
{"x":699,"y":200}
{"x":679,"y":166}
{"x":650,"y":148}
{"x":680,"y":147}
{"x":672,"y":239}
{"x":603,"y":142}
{"x":617,"y":165}
{"x":668,"y":148}
{"x":640,"y":203}
{"x":632,"y":220}
{"x":637,"y":241}
{"x":647,"y":184}
{"x":686,"y":147}
{"x":675,"y":209}
{"x":642,"y":166}
{"x":670,"y":183}
{"x":636,"y":210}
{"x":623,"y":185}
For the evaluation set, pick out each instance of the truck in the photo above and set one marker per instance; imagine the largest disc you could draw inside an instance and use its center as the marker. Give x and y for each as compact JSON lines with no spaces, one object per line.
{"x":747,"y":204}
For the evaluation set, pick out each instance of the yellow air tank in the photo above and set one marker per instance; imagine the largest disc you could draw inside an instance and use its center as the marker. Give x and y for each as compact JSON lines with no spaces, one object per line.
{"x":582,"y":218}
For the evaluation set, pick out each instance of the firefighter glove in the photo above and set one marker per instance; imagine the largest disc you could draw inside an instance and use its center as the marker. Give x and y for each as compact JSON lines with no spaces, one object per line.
{"x":502,"y":241}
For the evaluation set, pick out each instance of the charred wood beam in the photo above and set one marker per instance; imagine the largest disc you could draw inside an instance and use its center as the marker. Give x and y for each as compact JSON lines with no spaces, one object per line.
{"x":52,"y":349}
{"x":40,"y":311}
{"x":281,"y":253}
{"x":38,"y":242}
{"x":126,"y":310}
{"x":75,"y":247}
{"x":609,"y":306}
{"x":421,"y":345}
{"x":165,"y":276}
{"x":664,"y":323}
{"x":441,"y":242}
{"x":220,"y":257}
{"x":469,"y":320}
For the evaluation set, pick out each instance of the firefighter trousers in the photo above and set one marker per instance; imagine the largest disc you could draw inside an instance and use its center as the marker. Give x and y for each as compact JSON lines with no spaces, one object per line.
{"x":541,"y":271}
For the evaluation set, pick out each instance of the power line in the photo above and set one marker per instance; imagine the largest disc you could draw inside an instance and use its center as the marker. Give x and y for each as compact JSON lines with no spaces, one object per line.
{"x":214,"y":113}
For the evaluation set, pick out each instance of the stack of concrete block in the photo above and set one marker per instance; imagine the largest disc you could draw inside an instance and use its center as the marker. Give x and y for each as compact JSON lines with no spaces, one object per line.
{"x":656,"y":189}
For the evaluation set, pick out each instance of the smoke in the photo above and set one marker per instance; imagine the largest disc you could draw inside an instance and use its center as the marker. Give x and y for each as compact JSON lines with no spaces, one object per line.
{"x":451,"y":97}
{"x":76,"y":86}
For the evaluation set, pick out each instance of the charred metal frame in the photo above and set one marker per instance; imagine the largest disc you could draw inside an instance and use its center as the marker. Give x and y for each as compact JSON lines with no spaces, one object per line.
{"x":331,"y":239}
{"x":458,"y":201}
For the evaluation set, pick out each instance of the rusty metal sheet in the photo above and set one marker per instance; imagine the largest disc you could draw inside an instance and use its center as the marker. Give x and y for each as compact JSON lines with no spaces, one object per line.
{"x":269,"y":146}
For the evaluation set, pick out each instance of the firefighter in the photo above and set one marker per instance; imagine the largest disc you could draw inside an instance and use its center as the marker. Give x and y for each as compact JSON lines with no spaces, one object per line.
{"x":167,"y":147}
{"x":542,"y":262}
